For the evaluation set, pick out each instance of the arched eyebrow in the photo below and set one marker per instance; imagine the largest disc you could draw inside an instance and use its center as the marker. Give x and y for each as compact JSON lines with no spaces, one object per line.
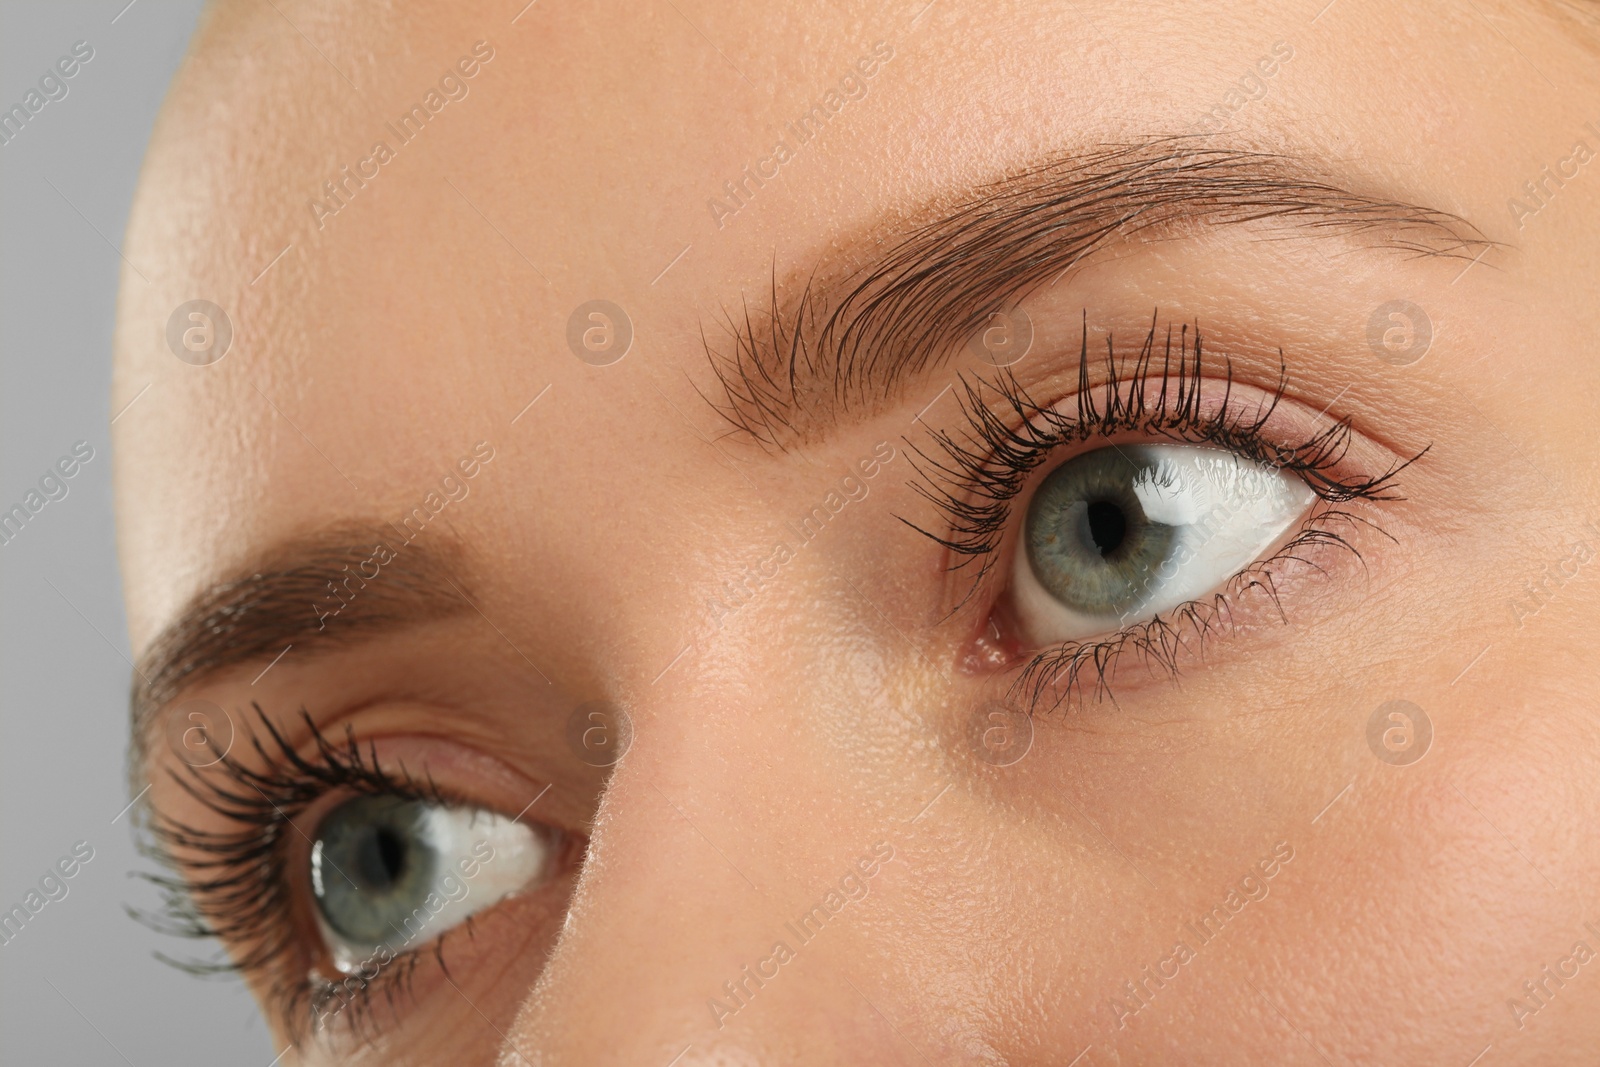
{"x":842,"y":344}
{"x":312,"y":592}
{"x":836,"y":342}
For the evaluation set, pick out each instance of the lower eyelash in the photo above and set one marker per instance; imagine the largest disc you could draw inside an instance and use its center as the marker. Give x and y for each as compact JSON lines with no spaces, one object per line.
{"x":323,"y":1002}
{"x":233,"y":884}
{"x":1054,"y":676}
{"x":974,"y":479}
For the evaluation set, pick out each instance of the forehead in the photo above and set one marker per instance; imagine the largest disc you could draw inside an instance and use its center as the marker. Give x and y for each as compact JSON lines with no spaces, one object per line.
{"x":399,"y":217}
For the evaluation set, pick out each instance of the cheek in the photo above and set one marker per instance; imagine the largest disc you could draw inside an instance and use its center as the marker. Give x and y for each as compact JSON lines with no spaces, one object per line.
{"x":1434,"y":891}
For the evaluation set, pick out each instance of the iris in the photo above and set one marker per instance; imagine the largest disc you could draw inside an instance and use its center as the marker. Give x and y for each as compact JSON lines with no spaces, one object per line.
{"x":373,"y":864}
{"x":1090,"y":540}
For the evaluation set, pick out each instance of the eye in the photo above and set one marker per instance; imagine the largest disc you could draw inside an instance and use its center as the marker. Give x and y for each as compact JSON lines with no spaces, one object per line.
{"x":1120,"y":534}
{"x":393,"y":873}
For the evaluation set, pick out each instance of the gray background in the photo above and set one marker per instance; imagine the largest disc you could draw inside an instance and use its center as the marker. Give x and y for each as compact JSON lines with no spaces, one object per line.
{"x":79,"y":985}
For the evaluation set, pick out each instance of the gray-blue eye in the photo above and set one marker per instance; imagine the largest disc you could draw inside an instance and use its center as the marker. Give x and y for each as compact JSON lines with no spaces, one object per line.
{"x":1120,"y":534}
{"x":390,"y":873}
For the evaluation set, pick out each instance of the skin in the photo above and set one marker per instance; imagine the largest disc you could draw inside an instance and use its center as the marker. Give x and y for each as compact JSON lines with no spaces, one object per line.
{"x":829,"y":713}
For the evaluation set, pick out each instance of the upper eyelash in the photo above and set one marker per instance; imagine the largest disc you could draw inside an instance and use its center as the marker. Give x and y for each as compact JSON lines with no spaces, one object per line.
{"x":234,"y":885}
{"x":237,"y":887}
{"x":974,"y":479}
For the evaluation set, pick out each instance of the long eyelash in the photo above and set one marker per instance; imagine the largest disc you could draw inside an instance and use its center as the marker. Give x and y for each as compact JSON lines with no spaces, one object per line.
{"x":233,"y":884}
{"x":973,"y":479}
{"x":1056,"y":675}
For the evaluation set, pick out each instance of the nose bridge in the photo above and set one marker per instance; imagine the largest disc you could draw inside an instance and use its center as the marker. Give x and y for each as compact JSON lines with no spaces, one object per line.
{"x":692,"y":931}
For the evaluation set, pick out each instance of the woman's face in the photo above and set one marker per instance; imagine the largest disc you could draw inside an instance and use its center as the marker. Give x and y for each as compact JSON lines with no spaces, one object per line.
{"x":877,"y":533}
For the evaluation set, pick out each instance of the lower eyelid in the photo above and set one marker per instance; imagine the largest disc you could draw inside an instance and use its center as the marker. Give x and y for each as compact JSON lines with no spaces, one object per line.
{"x":1258,"y":599}
{"x":350,"y":1011}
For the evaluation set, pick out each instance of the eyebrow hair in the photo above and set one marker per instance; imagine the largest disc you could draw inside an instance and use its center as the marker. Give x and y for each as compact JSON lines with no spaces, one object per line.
{"x":256,"y":612}
{"x":844,"y":343}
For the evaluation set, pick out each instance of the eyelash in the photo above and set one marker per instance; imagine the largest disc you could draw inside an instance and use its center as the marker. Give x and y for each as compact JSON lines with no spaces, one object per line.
{"x":234,"y":885}
{"x":973,"y":481}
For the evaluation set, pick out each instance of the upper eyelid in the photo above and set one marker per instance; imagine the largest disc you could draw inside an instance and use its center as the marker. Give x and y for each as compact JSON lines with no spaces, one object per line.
{"x":975,"y":495}
{"x":1104,"y":385}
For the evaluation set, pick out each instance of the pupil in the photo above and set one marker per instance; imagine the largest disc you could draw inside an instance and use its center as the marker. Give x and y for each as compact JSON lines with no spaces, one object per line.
{"x":1107,"y":526}
{"x":384,"y":859}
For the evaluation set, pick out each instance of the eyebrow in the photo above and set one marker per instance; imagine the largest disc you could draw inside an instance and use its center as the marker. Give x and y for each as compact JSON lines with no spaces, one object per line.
{"x":845,"y":342}
{"x":314,"y":593}
{"x":840,"y":342}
